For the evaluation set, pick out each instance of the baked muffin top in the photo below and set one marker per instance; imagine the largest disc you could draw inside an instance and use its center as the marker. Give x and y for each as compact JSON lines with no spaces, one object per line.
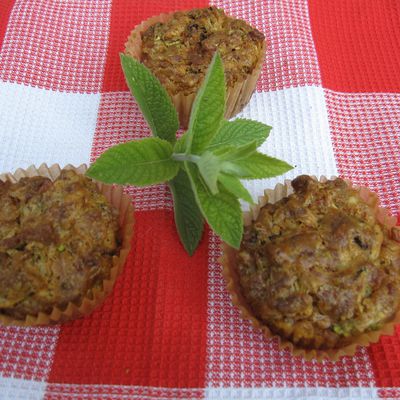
{"x":318,"y":268}
{"x":57,"y":240}
{"x":180,"y":50}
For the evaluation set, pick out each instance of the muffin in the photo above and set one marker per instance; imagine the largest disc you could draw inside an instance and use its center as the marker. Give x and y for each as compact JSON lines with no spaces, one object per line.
{"x":320,"y":268}
{"x":59,"y":243}
{"x":178,"y":48}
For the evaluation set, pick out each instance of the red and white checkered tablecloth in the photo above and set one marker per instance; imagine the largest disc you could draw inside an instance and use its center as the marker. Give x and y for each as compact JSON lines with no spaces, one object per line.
{"x":330,"y":87}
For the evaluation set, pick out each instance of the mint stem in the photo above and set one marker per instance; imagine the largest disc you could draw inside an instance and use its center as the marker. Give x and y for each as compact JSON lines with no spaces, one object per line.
{"x":186,"y":157}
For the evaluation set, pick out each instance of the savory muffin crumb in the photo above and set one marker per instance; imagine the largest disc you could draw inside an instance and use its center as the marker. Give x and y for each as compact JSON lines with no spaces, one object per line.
{"x":318,"y":268}
{"x":180,"y":50}
{"x":57,"y":241}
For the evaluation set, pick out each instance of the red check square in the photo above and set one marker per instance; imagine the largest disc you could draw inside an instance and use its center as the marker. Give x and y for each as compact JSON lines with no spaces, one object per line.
{"x":56,"y":45}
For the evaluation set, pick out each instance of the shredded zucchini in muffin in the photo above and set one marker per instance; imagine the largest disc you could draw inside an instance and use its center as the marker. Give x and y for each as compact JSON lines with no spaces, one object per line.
{"x":318,"y":268}
{"x":57,"y":240}
{"x":179,"y":51}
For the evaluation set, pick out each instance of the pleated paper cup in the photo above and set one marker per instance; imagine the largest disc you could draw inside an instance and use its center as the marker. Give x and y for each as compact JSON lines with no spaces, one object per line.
{"x":229,"y":263}
{"x":95,"y":296}
{"x":237,"y":96}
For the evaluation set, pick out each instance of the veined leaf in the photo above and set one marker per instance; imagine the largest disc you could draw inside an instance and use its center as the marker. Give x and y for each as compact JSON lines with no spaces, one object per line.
{"x":238,"y":133}
{"x":188,"y":219}
{"x":143,"y":162}
{"x":152,"y":98}
{"x":222,"y":211}
{"x":208,"y":108}
{"x":203,"y":167}
{"x":209,"y":166}
{"x":233,"y":185}
{"x":256,"y":166}
{"x":181,"y":144}
{"x":231,"y":153}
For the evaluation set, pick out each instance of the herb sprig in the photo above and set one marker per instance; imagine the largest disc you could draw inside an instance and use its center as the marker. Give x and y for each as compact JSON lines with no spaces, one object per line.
{"x":204,"y":167}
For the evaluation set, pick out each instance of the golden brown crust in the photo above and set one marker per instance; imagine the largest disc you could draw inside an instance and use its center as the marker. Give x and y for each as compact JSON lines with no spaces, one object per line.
{"x":180,"y":50}
{"x":57,"y":242}
{"x":318,"y":268}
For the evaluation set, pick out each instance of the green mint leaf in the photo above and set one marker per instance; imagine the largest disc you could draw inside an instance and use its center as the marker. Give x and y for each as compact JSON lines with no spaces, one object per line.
{"x":143,"y":162}
{"x":222,"y":211}
{"x":209,"y":166}
{"x":238,"y":133}
{"x":181,"y":144}
{"x":233,"y":185}
{"x":208,"y":108}
{"x":256,"y":166}
{"x":188,"y":219}
{"x":152,"y":98}
{"x":231,"y":153}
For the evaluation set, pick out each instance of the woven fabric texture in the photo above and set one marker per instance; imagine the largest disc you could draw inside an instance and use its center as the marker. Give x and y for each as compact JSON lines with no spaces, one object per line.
{"x":330,"y":87}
